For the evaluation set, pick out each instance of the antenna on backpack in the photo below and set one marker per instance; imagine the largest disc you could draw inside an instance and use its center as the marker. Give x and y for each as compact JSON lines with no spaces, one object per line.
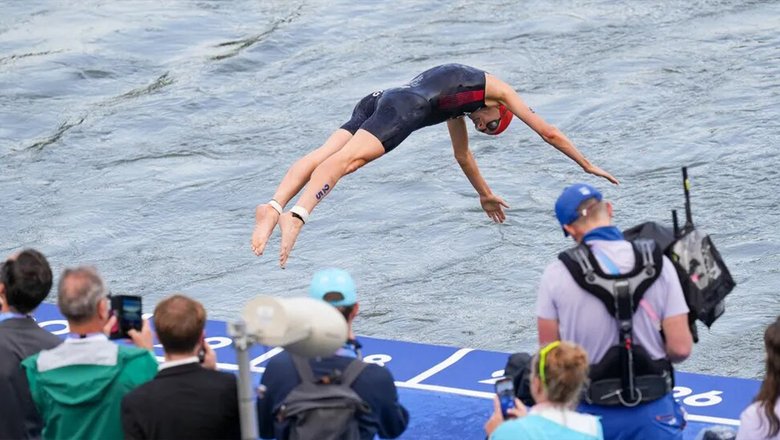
{"x":686,"y":188}
{"x":675,"y":224}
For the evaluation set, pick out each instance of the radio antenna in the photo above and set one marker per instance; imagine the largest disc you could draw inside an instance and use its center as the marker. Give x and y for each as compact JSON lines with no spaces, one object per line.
{"x":687,"y":188}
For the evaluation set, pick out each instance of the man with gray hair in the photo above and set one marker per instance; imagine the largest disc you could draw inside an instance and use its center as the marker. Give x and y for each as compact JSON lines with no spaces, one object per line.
{"x":78,"y":386}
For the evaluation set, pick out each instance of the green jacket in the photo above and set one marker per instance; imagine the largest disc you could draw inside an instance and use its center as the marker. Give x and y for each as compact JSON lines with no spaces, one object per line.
{"x":78,"y":386}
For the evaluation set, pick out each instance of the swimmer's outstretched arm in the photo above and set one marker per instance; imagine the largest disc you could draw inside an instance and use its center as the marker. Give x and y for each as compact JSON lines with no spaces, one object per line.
{"x":491,"y":203}
{"x":498,"y":91}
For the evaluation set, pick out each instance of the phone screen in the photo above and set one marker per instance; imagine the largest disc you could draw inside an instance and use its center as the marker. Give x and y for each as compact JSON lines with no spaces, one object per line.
{"x":128,"y":311}
{"x":131,"y":312}
{"x":505,"y":390}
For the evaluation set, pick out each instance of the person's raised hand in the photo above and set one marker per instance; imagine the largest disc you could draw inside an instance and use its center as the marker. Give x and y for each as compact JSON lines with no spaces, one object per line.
{"x":495,"y":419}
{"x":142,"y":339}
{"x":210,"y":358}
{"x":109,"y":325}
{"x":518,"y":411}
{"x":494,"y":207}
{"x":597,"y":171}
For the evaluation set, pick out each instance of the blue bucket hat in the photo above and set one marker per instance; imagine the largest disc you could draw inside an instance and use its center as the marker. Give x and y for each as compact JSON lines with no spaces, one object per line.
{"x":334,"y":280}
{"x":570,"y":199}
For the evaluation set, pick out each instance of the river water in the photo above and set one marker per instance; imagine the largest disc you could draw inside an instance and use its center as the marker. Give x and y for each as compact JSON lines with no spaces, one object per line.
{"x":138,"y":136}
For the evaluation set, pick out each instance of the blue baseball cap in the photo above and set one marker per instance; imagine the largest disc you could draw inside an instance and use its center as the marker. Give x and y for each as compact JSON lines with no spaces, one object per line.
{"x":334,"y":280}
{"x":570,"y":199}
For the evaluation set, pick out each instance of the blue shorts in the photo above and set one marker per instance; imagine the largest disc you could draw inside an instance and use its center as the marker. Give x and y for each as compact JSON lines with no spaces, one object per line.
{"x":660,"y":419}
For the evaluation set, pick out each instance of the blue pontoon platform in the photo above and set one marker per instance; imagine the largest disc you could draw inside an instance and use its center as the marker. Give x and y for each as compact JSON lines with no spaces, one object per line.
{"x":447,"y":390}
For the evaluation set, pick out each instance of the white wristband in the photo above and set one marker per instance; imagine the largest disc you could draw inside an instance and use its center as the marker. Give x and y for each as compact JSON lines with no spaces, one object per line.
{"x":274,"y":204}
{"x":301,"y":212}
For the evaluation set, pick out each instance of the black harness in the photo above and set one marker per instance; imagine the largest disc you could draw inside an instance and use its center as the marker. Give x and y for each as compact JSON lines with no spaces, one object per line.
{"x":627,"y":375}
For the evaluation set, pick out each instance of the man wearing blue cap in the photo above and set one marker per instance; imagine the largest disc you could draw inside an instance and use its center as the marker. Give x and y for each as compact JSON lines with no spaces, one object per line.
{"x":374,"y":384}
{"x":637,"y":305}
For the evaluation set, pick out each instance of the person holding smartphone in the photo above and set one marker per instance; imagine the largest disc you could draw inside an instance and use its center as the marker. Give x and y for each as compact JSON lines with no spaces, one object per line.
{"x":558,"y":373}
{"x":77,"y":386}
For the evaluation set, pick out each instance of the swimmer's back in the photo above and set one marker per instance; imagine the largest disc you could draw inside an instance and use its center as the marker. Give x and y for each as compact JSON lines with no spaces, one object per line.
{"x":432,"y":97}
{"x":451,"y":89}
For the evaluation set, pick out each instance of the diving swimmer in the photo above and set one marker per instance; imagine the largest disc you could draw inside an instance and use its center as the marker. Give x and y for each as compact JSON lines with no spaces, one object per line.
{"x":383,"y":119}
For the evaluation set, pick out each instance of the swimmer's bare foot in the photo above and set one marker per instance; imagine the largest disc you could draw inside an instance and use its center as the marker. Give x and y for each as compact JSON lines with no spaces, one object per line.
{"x":266,"y":218}
{"x":291,"y":227}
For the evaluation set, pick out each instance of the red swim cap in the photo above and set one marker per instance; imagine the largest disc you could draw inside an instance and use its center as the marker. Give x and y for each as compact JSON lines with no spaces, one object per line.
{"x":505,"y":117}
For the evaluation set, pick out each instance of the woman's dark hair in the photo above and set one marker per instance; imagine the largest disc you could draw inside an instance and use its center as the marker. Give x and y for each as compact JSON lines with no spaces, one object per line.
{"x":770,"y":388}
{"x":27,"y":280}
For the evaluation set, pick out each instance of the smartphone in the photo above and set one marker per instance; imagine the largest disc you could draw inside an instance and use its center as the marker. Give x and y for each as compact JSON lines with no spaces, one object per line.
{"x":202,"y":351}
{"x":127,"y":309}
{"x":505,"y":389}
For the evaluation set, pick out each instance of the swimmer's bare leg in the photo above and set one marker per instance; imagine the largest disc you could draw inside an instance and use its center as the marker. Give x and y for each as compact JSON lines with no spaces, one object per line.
{"x":360,"y":150}
{"x":299,"y":173}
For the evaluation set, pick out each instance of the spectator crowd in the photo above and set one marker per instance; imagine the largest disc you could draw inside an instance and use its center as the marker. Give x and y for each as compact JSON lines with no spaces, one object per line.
{"x":604,"y":369}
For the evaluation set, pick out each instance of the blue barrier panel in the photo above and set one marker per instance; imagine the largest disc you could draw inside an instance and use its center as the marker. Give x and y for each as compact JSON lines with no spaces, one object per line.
{"x":447,"y":389}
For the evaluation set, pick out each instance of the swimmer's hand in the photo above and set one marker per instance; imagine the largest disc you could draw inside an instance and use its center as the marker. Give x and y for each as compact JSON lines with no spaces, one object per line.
{"x":596,"y":171}
{"x":494,"y":207}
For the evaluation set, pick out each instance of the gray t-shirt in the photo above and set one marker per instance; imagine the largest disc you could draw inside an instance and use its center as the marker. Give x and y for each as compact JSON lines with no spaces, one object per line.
{"x":582,"y":318}
{"x":753,"y":424}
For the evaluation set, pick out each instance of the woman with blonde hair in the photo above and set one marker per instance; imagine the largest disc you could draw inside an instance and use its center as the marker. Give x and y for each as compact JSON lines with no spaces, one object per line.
{"x":558,"y":373}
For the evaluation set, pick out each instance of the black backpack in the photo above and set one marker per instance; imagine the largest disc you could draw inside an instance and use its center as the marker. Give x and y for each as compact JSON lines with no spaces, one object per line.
{"x":326,"y":408}
{"x":704,"y":277}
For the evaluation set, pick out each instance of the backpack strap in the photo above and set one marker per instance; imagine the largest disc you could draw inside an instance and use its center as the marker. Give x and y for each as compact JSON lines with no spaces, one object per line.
{"x":352,"y":372}
{"x":621,"y":294}
{"x":587,"y":273}
{"x":304,"y":369}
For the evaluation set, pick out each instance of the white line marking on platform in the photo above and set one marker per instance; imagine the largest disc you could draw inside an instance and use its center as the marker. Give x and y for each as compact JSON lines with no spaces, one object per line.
{"x":713,"y":420}
{"x":441,"y":389}
{"x":440,"y":366}
{"x":221,"y":366}
{"x":265,"y":356}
